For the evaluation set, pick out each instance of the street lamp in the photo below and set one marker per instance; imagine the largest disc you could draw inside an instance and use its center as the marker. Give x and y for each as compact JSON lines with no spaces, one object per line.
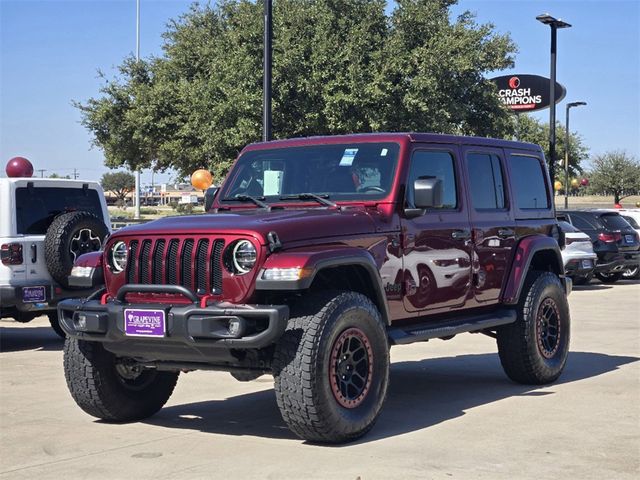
{"x":266,"y":84}
{"x":555,"y":24}
{"x":566,"y":152}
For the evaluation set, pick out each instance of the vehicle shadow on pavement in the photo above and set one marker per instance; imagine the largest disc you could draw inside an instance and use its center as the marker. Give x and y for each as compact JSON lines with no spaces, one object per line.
{"x":422,"y":394}
{"x":15,"y":339}
{"x":591,"y":286}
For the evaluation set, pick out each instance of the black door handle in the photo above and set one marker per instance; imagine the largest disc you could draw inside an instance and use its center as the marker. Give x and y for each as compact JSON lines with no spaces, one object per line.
{"x":461,"y":234}
{"x":505,"y":232}
{"x":34,"y":253}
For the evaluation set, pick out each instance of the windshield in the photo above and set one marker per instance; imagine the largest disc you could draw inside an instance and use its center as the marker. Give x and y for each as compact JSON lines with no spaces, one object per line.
{"x":613,"y":221}
{"x":357,"y":171}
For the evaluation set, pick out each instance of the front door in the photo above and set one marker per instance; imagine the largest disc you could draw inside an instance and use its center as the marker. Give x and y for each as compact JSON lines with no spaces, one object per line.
{"x":493,"y":225}
{"x":436,"y":245}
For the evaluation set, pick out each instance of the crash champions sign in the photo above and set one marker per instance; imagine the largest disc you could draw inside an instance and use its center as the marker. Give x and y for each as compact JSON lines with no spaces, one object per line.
{"x":526,"y":92}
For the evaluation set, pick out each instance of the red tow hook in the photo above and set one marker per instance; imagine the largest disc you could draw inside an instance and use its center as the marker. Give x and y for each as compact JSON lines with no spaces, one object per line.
{"x":205,"y":300}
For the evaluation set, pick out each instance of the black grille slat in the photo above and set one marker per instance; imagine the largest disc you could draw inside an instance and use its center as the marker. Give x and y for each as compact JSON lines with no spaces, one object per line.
{"x":201,"y":266}
{"x":216,"y":266}
{"x":172,"y":263}
{"x":145,"y":253}
{"x":132,"y":261}
{"x":156,"y":266}
{"x":187,"y":267}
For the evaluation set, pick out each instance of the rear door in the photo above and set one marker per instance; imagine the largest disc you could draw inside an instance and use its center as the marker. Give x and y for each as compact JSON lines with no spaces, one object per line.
{"x":492,"y":221}
{"x":436,"y":245}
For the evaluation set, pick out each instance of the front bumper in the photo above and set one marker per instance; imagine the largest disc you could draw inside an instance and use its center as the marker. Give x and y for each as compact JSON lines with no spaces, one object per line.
{"x":193,"y":334}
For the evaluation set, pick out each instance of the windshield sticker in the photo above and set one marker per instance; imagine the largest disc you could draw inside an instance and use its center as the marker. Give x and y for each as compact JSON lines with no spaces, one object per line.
{"x":347,"y":157}
{"x":272,"y":182}
{"x":384,"y":152}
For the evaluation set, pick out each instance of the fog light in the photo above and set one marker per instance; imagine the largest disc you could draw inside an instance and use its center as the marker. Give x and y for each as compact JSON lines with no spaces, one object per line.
{"x":81,"y":322}
{"x":235,"y":327}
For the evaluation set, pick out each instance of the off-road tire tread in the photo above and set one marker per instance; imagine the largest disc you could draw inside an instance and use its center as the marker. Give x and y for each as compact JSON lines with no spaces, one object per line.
{"x":295,"y":373}
{"x":88,"y":370}
{"x":54,"y":242}
{"x":517,"y":345}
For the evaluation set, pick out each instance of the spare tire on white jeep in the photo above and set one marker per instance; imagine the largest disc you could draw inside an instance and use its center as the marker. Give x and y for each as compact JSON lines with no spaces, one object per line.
{"x":69,"y":236}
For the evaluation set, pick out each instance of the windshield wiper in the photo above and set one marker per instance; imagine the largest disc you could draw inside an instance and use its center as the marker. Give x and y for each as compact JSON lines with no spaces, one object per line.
{"x":311,"y":196}
{"x":248,"y":198}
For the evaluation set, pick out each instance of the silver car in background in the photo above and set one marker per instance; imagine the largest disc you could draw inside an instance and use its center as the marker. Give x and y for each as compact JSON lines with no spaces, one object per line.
{"x":577,"y":254}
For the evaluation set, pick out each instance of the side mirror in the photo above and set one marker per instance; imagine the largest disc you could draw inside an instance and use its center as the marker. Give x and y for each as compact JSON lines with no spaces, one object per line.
{"x":209,"y":196}
{"x":427,"y":192}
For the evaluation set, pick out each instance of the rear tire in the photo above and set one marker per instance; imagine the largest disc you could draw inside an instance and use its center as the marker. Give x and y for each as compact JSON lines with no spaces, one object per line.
{"x":533,"y":350}
{"x":609,"y":277}
{"x":55,"y":324}
{"x":331,"y":367}
{"x":113,"y":391}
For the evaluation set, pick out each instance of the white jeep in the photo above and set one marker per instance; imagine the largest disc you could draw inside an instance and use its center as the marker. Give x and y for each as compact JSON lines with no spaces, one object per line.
{"x":45,"y":224}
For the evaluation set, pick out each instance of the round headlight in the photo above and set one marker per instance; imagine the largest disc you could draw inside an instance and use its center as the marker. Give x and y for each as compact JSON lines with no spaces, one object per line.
{"x":243,"y":256}
{"x":119,"y":257}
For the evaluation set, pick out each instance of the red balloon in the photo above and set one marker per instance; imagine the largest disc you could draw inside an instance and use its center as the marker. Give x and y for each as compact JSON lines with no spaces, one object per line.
{"x":584,"y":182}
{"x":19,"y":167}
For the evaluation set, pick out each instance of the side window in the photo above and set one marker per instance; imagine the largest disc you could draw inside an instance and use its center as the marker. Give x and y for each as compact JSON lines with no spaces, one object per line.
{"x":485,"y":181}
{"x":529,"y":186}
{"x":434,"y":164}
{"x":581,"y":223}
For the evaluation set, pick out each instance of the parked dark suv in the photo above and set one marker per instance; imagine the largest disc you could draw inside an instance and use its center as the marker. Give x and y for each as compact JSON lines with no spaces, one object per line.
{"x":615,"y":242}
{"x":318,"y":255}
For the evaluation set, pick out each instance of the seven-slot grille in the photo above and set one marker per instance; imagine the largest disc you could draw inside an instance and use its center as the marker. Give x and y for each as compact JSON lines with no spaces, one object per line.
{"x":194,"y":263}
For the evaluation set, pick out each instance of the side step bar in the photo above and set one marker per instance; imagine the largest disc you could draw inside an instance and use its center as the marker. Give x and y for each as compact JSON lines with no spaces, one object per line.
{"x":447,"y":328}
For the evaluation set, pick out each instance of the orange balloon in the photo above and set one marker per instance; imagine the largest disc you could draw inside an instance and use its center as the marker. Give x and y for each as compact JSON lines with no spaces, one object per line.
{"x":201,"y":179}
{"x":557,"y":185}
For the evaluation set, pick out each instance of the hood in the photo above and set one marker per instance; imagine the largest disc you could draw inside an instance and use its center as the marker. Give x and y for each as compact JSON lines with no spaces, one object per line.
{"x":291,"y":225}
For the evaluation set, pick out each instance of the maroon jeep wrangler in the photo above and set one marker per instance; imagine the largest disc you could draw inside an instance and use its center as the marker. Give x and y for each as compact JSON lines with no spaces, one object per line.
{"x":316,"y":256}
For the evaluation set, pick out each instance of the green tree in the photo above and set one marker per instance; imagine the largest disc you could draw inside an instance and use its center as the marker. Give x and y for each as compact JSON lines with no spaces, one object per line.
{"x":529,"y":129}
{"x":55,"y":175}
{"x":120,"y":183}
{"x":615,"y":173}
{"x":339,"y":67}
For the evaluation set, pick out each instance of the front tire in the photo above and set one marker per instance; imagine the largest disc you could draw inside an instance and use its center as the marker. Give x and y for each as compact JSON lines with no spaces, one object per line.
{"x":109,"y":389}
{"x":609,"y":277}
{"x":55,"y":324}
{"x":533,"y":350}
{"x":331,"y":367}
{"x":631,"y":273}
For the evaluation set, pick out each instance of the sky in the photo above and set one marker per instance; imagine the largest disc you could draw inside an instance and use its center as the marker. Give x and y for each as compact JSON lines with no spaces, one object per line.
{"x":51,"y":52}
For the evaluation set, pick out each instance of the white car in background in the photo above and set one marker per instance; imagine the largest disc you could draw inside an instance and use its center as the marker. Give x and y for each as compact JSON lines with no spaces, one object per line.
{"x":577,"y":254}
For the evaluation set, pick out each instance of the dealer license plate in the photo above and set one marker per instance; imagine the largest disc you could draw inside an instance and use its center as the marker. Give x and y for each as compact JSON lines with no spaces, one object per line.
{"x":144,"y":323}
{"x":586,"y":263}
{"x":628,"y":238}
{"x":33,"y":294}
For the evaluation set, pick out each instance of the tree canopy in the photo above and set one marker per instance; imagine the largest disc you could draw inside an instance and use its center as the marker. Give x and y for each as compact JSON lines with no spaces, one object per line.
{"x":615,"y":173}
{"x":529,"y":129}
{"x":339,"y":67}
{"x":120,"y":183}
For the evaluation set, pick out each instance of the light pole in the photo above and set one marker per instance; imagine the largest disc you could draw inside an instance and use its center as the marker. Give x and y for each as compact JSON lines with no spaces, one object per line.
{"x":555,"y":24}
{"x":266,"y":84}
{"x":136,"y":198}
{"x":566,"y":152}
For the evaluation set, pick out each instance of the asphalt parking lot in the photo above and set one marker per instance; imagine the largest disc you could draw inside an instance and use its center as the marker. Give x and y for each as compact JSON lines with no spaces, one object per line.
{"x":451,"y":413}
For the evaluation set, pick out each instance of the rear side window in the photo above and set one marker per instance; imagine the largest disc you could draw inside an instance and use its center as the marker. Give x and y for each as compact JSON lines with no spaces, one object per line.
{"x":485,"y":181}
{"x":614,"y":221}
{"x":583,"y":223}
{"x":528,"y":182}
{"x":434,"y":164}
{"x":37,"y":207}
